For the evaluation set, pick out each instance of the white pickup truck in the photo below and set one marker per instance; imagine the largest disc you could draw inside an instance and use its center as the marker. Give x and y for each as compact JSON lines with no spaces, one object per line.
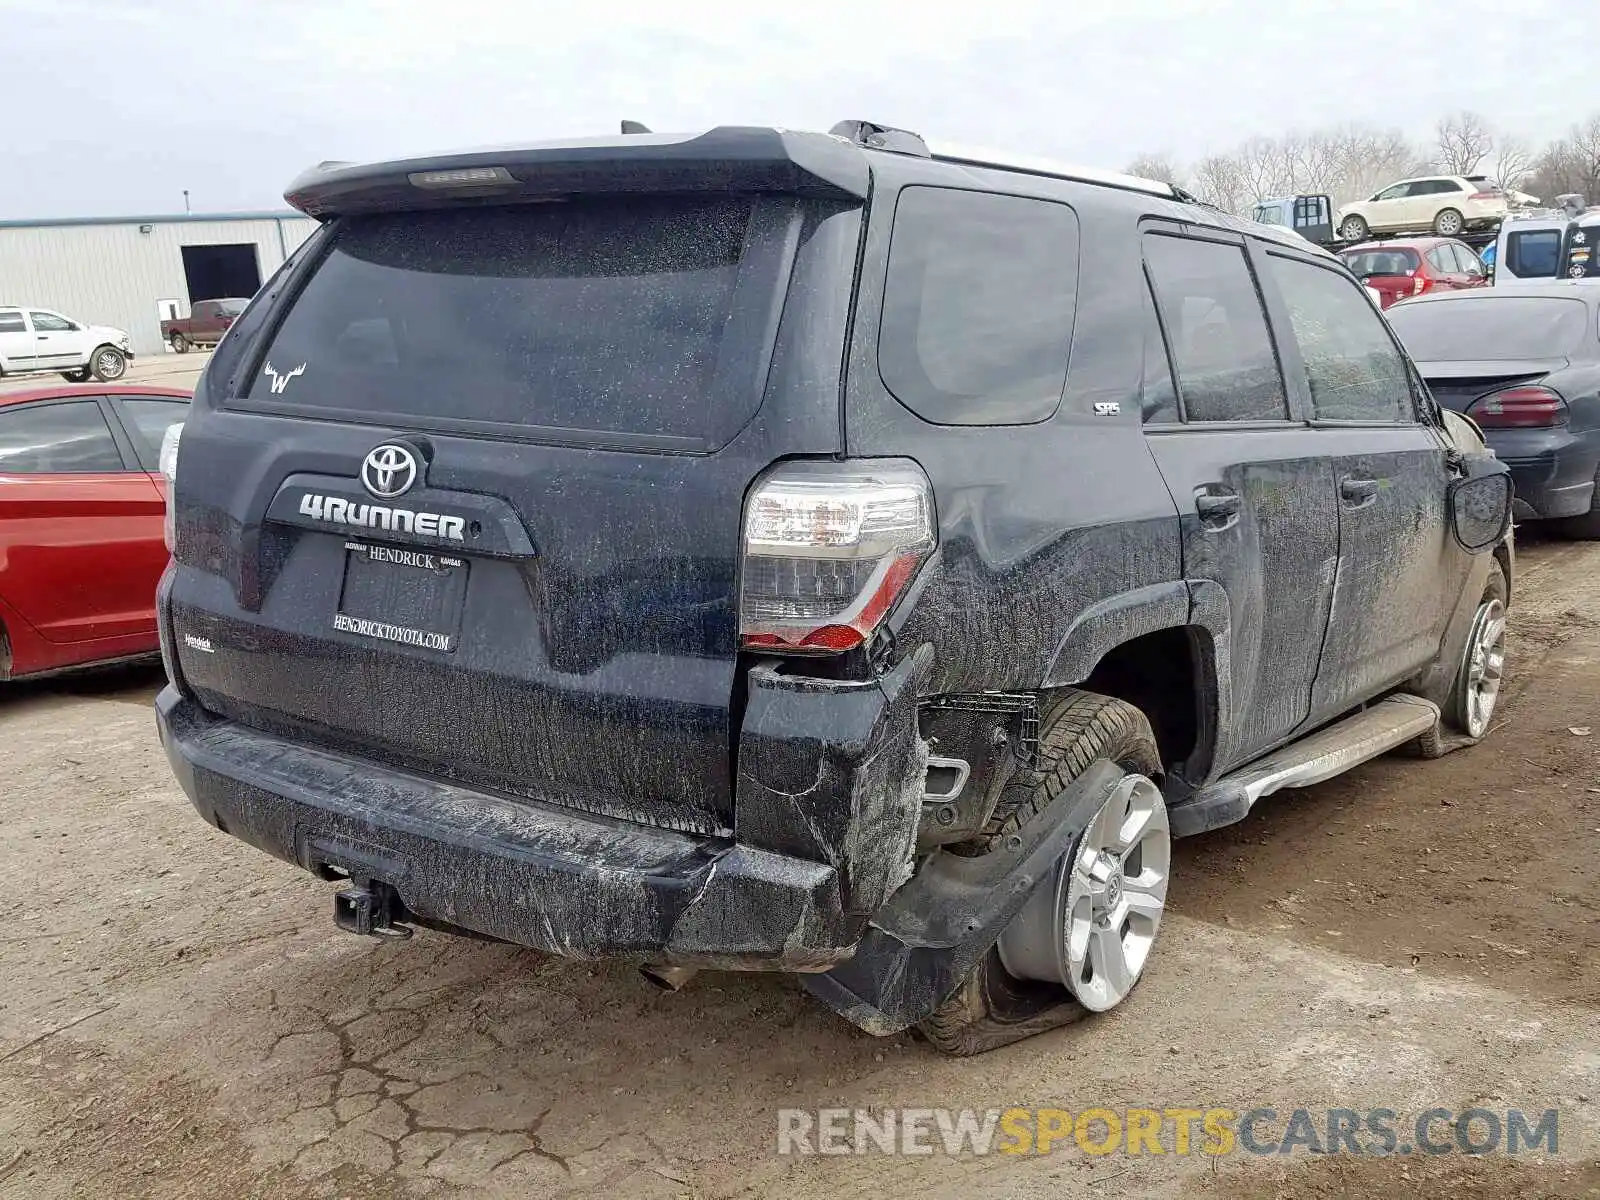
{"x":37,"y":340}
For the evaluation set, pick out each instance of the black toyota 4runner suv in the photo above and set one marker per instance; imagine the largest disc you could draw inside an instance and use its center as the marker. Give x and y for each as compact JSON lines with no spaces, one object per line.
{"x":806,"y":552}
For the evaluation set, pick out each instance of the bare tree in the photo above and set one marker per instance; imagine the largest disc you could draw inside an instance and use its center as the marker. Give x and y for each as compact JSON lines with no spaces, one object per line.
{"x":1570,"y":164}
{"x":1160,"y":167}
{"x":1464,"y":142}
{"x":1220,"y":180}
{"x":1512,"y":162}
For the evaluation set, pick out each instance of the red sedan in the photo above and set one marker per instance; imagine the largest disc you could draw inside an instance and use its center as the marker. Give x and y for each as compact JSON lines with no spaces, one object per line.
{"x":1400,"y":268}
{"x":81,"y":508}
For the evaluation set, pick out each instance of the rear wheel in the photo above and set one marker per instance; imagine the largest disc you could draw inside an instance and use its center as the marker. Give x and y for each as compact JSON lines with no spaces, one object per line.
{"x":1469,"y":708}
{"x":108,"y":364}
{"x":1081,"y":942}
{"x":81,"y":375}
{"x":1447,"y":222}
{"x":180,"y":344}
{"x":1353,"y":228}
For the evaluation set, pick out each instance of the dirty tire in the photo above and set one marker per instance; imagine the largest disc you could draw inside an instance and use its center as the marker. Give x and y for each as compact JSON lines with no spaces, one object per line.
{"x":1447,"y":222}
{"x":1449,"y":733}
{"x":1354,"y":229}
{"x":180,"y":344}
{"x":993,"y":1008}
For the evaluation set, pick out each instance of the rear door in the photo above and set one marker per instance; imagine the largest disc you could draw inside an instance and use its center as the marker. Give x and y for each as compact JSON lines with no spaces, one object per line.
{"x":472,"y":503}
{"x":1398,"y":571}
{"x":1254,"y":495}
{"x":80,"y":524}
{"x":17,"y":348}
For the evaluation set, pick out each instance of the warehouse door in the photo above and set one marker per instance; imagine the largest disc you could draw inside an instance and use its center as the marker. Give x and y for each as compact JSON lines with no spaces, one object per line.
{"x":221,"y":272}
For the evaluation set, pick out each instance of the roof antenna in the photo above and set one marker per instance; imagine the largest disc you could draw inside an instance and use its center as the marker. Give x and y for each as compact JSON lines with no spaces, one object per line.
{"x":634,"y":127}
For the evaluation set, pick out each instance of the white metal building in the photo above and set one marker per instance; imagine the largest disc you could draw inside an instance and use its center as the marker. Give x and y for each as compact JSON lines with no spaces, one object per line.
{"x":130,"y":272}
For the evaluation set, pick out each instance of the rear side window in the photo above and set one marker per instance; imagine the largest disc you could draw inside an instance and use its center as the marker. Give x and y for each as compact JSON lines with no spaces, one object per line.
{"x":978,"y":306}
{"x":1364,"y":264}
{"x":147,"y":419}
{"x":1160,"y":397}
{"x":11,"y":322}
{"x":1533,"y":253}
{"x":1227,"y":368}
{"x":1353,"y":369}
{"x":599,"y":314}
{"x":50,"y":439}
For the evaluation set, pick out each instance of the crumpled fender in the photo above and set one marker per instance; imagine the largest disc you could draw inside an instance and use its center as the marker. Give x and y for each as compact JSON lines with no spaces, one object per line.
{"x":937,"y":928}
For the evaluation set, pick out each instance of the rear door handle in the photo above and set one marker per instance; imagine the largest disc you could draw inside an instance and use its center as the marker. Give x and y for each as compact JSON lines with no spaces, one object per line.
{"x":1358,"y":492}
{"x":1217,"y":510}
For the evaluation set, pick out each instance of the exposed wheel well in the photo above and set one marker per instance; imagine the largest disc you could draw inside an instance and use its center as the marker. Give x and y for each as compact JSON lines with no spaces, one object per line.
{"x":1164,"y":675}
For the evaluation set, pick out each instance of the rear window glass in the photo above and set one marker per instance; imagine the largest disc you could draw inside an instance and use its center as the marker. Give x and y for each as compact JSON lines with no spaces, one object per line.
{"x":1490,"y":328}
{"x":1364,"y":264}
{"x":978,"y":306}
{"x":601,"y":314}
{"x":1534,"y":253}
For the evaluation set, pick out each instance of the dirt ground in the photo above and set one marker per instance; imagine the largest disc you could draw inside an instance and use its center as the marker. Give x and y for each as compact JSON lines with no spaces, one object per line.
{"x":179,"y":1018}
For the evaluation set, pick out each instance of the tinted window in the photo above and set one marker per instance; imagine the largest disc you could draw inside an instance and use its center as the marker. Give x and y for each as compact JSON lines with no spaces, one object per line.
{"x":1227,"y":370}
{"x":604,"y":314}
{"x":147,"y":420}
{"x":978,"y":306}
{"x":1353,"y":369}
{"x":1442,"y":260}
{"x":1393,"y":193}
{"x":1468,"y":262}
{"x":1160,"y":397}
{"x":1492,"y":327}
{"x":1533,"y":253}
{"x":49,"y":323}
{"x":11,"y":322}
{"x":56,"y":438}
{"x":1367,"y":263}
{"x":202,"y":310}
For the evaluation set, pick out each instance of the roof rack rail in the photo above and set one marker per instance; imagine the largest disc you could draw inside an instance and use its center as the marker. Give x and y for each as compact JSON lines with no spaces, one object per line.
{"x":981,"y":157}
{"x":882,"y":137}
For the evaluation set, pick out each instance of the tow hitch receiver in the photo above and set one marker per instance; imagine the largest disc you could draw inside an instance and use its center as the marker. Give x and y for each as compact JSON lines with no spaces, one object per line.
{"x":370,"y":907}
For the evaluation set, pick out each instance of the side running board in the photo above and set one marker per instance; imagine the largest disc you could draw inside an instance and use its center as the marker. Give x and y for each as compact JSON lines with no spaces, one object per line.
{"x":1391,"y":722}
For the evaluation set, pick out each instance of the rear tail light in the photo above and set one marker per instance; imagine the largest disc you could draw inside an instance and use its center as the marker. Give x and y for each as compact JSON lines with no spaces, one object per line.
{"x":168,"y":465}
{"x":828,"y":548}
{"x":1519,"y":408}
{"x":1490,"y":195}
{"x":1420,"y":284}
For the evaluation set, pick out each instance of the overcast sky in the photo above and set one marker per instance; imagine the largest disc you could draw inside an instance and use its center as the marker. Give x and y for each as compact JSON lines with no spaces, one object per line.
{"x":116,"y":107}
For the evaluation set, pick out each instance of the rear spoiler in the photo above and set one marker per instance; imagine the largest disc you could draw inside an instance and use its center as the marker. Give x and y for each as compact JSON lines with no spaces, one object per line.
{"x":727,"y":158}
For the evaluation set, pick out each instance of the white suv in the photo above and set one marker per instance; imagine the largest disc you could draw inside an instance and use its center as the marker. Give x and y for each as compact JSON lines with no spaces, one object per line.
{"x":1446,"y":205}
{"x":38,"y":340}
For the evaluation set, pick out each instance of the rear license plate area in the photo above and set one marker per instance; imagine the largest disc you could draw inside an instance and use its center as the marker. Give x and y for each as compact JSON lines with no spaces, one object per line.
{"x":409,"y":597}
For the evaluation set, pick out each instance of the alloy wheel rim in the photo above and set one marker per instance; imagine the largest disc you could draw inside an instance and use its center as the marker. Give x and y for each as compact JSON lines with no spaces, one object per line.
{"x":110,"y":364}
{"x":1116,"y":892}
{"x":1449,"y":225}
{"x":1485,"y":667}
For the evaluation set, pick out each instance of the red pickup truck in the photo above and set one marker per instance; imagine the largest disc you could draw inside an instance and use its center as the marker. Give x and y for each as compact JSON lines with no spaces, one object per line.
{"x":207,"y":321}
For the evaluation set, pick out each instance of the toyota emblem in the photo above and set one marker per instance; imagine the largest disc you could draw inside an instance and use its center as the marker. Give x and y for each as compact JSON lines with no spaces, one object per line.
{"x":389,"y":471}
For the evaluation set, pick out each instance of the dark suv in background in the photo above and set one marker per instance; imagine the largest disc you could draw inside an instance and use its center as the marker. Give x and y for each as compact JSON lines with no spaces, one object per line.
{"x":820,"y":553}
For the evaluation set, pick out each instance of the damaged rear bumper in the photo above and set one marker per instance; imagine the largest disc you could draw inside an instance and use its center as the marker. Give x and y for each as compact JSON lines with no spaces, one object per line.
{"x":826,"y":808}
